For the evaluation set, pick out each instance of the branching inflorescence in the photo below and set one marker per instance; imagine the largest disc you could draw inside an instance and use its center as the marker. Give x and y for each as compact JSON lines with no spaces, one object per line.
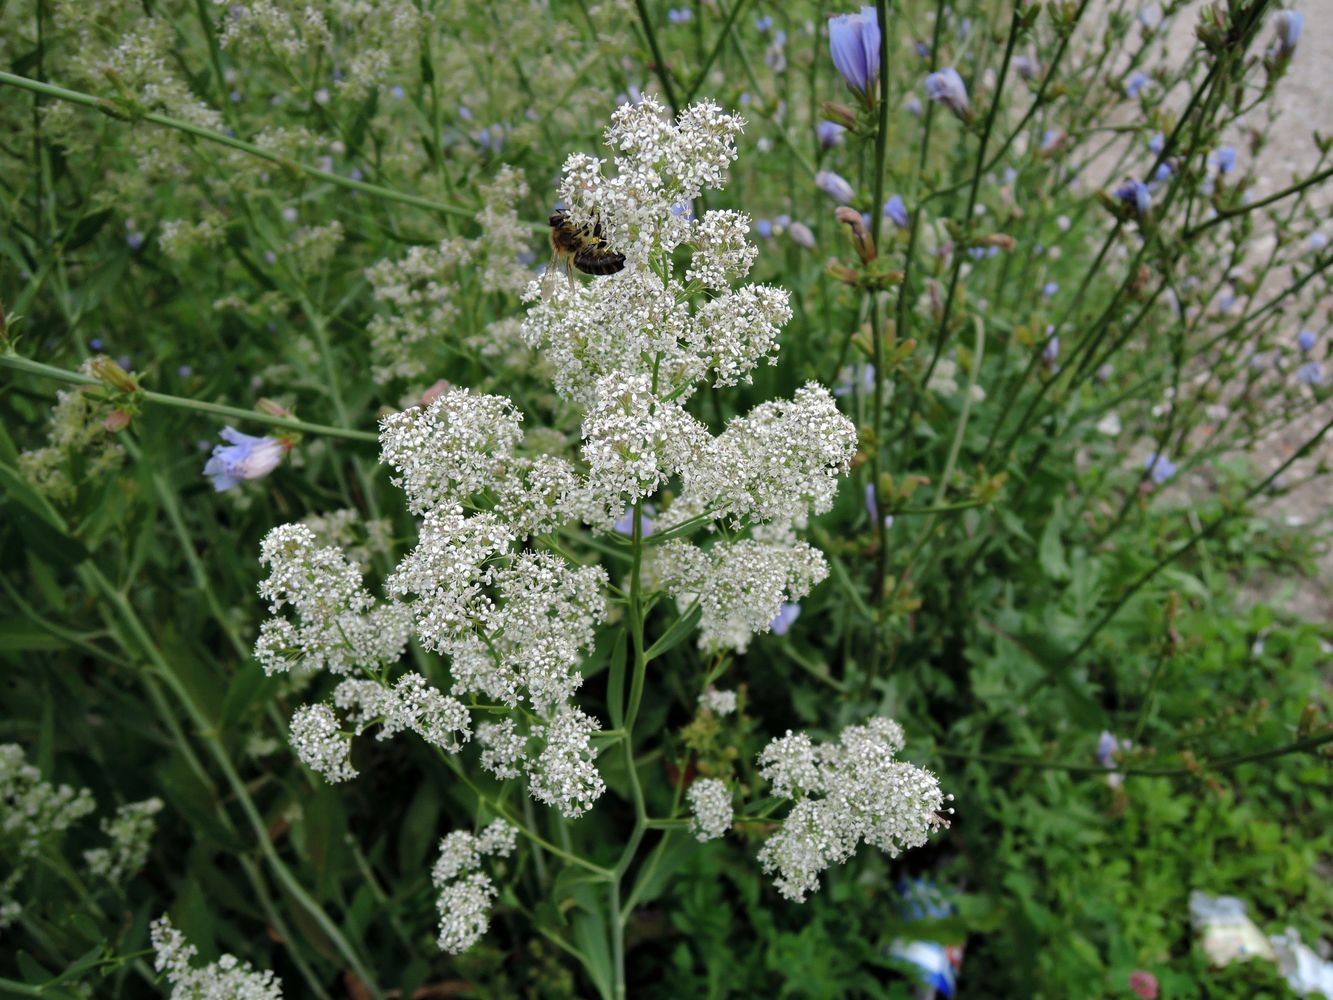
{"x":515,"y":617}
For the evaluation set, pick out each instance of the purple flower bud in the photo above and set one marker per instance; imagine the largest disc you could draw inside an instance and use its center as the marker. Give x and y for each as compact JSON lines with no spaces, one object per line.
{"x":872,"y":504}
{"x":397,"y":91}
{"x":184,"y":371}
{"x":1311,"y":373}
{"x":830,"y":134}
{"x":1306,"y":340}
{"x":1051,"y":351}
{"x":1288,"y":24}
{"x":786,"y":615}
{"x":1159,"y":468}
{"x":896,"y":210}
{"x":853,"y":41}
{"x":1027,"y":67}
{"x":834,"y":186}
{"x":1225,"y":158}
{"x":947,"y":87}
{"x":245,"y":458}
{"x":679,"y":15}
{"x":134,"y":240}
{"x":913,"y":105}
{"x":1317,"y":242}
{"x":1136,"y":82}
{"x":923,"y":50}
{"x":763,"y":228}
{"x":1050,"y":288}
{"x":763,"y":24}
{"x":800,"y":235}
{"x":1156,"y":142}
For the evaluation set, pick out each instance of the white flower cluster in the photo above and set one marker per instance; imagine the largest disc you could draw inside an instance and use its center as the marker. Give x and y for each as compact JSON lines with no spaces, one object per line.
{"x":466,"y":892}
{"x":339,"y":626}
{"x":33,"y":812}
{"x":420,"y":292}
{"x":717,"y":701}
{"x":228,"y":978}
{"x":845,"y":793}
{"x":130,"y":831}
{"x":631,"y":348}
{"x":740,"y":586}
{"x":710,"y":802}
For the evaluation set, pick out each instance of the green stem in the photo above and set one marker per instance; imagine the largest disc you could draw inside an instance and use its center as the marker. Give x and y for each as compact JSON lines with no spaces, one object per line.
{"x":13,"y":361}
{"x":207,"y":732}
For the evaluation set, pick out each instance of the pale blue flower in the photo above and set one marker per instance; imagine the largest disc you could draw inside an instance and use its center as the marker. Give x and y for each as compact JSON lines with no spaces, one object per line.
{"x":625,"y":523}
{"x":1159,"y":468}
{"x":1311,"y":373}
{"x":680,"y":15}
{"x":830,"y":134}
{"x":1136,"y":82}
{"x":1317,"y":242}
{"x":1050,"y":288}
{"x":1135,"y":194}
{"x":787,"y":614}
{"x":872,"y":503}
{"x":854,"y":45}
{"x":244,"y":458}
{"x":1156,"y":142}
{"x":896,"y":210}
{"x":763,"y":228}
{"x":848,"y":381}
{"x":1306,"y":340}
{"x":913,"y":105}
{"x":947,"y":87}
{"x":1225,"y":158}
{"x":1289,"y":24}
{"x":763,"y":24}
{"x":801,"y":235}
{"x":834,"y":186}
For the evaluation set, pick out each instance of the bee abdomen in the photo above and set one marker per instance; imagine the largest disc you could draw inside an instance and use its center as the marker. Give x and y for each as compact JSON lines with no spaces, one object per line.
{"x":598,"y":261}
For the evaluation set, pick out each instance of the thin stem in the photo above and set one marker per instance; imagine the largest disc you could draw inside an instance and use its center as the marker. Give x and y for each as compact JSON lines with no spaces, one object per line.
{"x":13,"y":361}
{"x":659,"y":64}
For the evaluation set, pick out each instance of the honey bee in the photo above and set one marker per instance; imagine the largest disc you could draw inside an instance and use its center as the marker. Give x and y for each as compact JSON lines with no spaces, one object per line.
{"x":581,"y":247}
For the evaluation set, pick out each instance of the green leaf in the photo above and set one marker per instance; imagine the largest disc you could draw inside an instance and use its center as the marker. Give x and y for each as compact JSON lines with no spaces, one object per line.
{"x":1051,"y":550}
{"x":678,"y":632}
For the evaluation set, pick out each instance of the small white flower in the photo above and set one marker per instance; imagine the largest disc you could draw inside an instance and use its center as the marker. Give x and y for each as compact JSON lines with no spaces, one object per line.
{"x":321,"y":744}
{"x":710,"y":802}
{"x":228,"y":977}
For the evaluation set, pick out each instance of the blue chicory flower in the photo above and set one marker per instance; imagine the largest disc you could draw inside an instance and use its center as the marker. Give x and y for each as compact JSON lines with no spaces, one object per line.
{"x":1288,"y":24}
{"x":680,"y":15}
{"x":1311,"y":373}
{"x":1050,"y":288}
{"x":787,"y":614}
{"x":896,"y":210}
{"x":1159,"y":468}
{"x":763,"y":228}
{"x":1306,"y":340}
{"x":947,"y":87}
{"x":854,"y":45}
{"x":1136,"y":82}
{"x":913,"y":105}
{"x":830,"y":134}
{"x":834,"y":186}
{"x":1135,"y":194}
{"x":1317,"y":242}
{"x":244,"y":458}
{"x":625,"y":523}
{"x":1225,"y":158}
{"x":764,"y":23}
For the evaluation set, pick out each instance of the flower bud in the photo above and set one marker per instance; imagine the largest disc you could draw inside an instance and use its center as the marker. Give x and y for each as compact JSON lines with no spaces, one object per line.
{"x":835,"y":186}
{"x":865,"y":245}
{"x":839,"y":114}
{"x":274,"y":409}
{"x":800,"y":235}
{"x":116,"y":421}
{"x":108,"y":372}
{"x":947,"y":87}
